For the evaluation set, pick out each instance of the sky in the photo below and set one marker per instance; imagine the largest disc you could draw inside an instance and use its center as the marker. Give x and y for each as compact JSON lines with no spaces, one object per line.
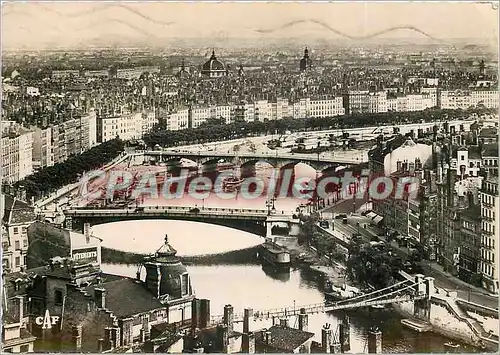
{"x":71,"y":23}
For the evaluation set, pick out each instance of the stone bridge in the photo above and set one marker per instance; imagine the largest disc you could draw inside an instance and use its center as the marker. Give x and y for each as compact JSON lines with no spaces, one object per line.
{"x":256,"y":221}
{"x":247,"y":161}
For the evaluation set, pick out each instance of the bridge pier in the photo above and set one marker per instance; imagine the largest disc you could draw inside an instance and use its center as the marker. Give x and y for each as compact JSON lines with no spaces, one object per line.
{"x":345,"y":334}
{"x":422,"y":307}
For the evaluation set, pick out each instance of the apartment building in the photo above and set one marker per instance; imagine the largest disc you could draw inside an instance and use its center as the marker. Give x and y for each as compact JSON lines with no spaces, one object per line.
{"x":17,"y":217}
{"x":261,"y":111}
{"x":466,"y":161}
{"x":178,"y":120}
{"x":464,"y":99}
{"x":135,"y":73}
{"x":148,"y":121}
{"x":198,"y":115}
{"x":17,"y":155}
{"x":125,"y":126}
{"x":221,"y":111}
{"x":42,"y":148}
{"x":326,"y":108}
{"x":489,"y":249}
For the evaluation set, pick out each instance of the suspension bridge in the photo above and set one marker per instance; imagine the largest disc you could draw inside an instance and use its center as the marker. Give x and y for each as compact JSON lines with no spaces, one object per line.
{"x":405,"y":291}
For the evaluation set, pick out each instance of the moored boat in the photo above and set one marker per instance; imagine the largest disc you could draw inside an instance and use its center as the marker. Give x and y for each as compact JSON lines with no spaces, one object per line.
{"x":274,"y":254}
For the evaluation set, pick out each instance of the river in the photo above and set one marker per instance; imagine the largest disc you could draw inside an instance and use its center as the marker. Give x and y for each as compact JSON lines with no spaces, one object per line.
{"x":250,"y":285}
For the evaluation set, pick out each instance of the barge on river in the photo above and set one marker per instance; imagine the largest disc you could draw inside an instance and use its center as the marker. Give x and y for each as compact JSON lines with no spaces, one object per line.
{"x":274,"y":254}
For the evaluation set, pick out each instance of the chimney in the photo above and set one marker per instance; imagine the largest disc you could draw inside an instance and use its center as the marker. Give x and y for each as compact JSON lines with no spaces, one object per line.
{"x":284,"y":322}
{"x":204,"y":313}
{"x":399,"y":166}
{"x":326,"y":338}
{"x":248,"y":343}
{"x":86,"y":231}
{"x":247,"y":318}
{"x":228,"y":318}
{"x":267,"y":337}
{"x":100,"y":297}
{"x":195,"y":313}
{"x":411,"y":168}
{"x":223,"y":337}
{"x":303,"y":320}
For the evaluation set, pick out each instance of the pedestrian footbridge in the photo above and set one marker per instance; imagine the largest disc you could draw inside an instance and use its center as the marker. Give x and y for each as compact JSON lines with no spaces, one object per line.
{"x":419,"y":289}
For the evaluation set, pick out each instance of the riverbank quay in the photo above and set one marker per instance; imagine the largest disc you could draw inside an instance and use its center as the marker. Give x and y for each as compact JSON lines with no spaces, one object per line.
{"x":444,"y":279}
{"x":242,"y":256}
{"x":471,"y":323}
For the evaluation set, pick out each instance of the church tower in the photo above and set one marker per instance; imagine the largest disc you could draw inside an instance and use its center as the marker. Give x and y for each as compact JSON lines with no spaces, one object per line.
{"x":481,"y":68}
{"x":305,"y":62}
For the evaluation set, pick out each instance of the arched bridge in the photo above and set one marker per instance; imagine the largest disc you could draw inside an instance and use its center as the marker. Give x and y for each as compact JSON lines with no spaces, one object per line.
{"x":418,"y":290}
{"x":256,"y":221}
{"x":318,"y":162}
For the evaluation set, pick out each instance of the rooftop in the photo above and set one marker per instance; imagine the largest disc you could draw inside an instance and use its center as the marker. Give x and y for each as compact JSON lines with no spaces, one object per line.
{"x":126,"y":297}
{"x":284,"y":339}
{"x":17,"y":211}
{"x":488,"y":132}
{"x":490,"y":150}
{"x":472,"y":213}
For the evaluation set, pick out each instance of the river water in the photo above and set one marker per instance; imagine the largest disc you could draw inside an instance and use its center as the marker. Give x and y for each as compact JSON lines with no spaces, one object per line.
{"x":251,"y":285}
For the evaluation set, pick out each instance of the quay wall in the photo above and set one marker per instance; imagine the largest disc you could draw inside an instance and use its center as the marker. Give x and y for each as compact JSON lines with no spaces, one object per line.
{"x":446,"y":322}
{"x":247,"y":255}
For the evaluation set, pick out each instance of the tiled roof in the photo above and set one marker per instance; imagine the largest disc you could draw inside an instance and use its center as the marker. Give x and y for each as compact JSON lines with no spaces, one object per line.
{"x":474,"y":152}
{"x":284,"y":339}
{"x":490,"y":150}
{"x":17,"y":211}
{"x":127,"y":297}
{"x":379,"y":152}
{"x":472,"y":213}
{"x":488,"y":132}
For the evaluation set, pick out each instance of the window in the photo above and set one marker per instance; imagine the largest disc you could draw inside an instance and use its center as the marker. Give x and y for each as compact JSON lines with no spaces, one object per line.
{"x":24,"y":348}
{"x":16,"y":230}
{"x":24,"y":230}
{"x":58,"y":297}
{"x":25,"y":242}
{"x":18,"y":260}
{"x":17,"y":245}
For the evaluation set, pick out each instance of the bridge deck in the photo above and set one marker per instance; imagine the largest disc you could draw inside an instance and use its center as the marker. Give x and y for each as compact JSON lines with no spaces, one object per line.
{"x":148,"y":211}
{"x":295,"y":156}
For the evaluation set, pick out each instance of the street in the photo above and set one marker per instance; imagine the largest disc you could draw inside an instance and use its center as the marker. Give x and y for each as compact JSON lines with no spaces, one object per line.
{"x":442,"y":279}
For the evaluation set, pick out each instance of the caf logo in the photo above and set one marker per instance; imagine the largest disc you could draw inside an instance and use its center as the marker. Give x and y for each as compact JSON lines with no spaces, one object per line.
{"x":47,"y":321}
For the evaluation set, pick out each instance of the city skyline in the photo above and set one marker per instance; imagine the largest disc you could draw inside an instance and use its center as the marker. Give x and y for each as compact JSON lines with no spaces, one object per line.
{"x":49,"y":25}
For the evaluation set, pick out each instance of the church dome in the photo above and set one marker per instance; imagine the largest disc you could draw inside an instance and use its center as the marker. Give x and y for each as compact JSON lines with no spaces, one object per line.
{"x":213,"y":67}
{"x":166,"y":276}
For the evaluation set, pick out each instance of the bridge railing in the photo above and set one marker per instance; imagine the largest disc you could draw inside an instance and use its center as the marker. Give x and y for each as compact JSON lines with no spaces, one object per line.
{"x":265,"y":155}
{"x":168,"y":209}
{"x":400,"y":292}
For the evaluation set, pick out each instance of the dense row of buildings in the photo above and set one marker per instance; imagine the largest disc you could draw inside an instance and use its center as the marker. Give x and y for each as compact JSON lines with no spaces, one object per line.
{"x":455,"y":213}
{"x":77,"y":109}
